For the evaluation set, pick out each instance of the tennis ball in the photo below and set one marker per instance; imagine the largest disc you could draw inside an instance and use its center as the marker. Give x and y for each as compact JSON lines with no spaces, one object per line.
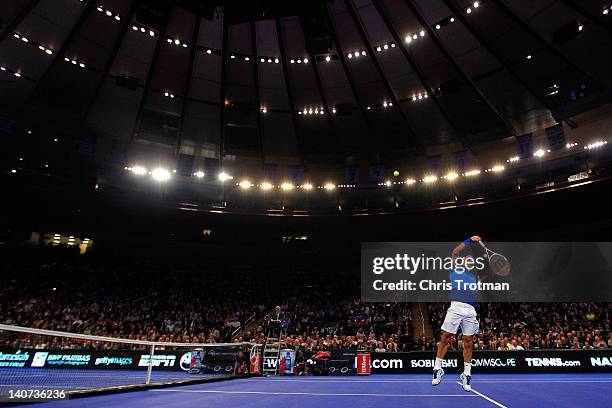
{"x":395,"y":173}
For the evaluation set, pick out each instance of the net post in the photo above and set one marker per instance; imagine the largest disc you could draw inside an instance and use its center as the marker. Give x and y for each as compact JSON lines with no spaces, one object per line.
{"x":150,"y":367}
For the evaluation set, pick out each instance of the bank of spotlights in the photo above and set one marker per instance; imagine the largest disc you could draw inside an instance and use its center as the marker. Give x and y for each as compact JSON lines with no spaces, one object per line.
{"x":245,"y":184}
{"x":160,"y":174}
{"x":139,"y":170}
{"x":329,"y":186}
{"x":451,"y":176}
{"x":223,"y":177}
{"x":430,"y":179}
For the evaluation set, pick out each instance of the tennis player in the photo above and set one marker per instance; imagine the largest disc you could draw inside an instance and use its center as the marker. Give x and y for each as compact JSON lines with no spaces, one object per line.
{"x":461,"y":313}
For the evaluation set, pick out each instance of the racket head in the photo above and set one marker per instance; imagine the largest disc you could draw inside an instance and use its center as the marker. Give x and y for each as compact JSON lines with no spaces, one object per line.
{"x":499,"y":264}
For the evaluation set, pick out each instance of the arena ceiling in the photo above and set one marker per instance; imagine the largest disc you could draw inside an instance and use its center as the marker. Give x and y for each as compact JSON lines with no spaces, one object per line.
{"x":306,"y":79}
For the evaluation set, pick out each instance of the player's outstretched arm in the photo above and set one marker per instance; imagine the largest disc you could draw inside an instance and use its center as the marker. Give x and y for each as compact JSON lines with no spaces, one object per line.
{"x":461,"y":247}
{"x":457,"y":251}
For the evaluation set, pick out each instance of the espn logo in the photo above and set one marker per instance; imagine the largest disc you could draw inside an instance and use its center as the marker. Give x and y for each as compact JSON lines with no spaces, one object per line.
{"x":158,"y":360}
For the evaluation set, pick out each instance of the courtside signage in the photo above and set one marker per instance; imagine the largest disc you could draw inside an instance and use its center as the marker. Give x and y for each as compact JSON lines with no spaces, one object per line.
{"x":530,"y":361}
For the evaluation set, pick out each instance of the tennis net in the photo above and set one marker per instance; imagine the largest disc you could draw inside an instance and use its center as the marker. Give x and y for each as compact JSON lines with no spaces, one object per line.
{"x":78,"y":363}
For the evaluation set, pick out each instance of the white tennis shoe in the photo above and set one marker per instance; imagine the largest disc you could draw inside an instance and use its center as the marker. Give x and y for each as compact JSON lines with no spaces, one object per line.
{"x":437,"y":376}
{"x":465,"y":382}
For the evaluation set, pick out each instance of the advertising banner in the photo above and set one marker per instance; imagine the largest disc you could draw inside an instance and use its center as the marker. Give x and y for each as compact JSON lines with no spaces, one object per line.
{"x":506,"y":362}
{"x":214,"y":359}
{"x":341,"y":361}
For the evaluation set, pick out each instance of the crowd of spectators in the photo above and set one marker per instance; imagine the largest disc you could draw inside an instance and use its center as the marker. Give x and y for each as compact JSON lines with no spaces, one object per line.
{"x":524,"y":326}
{"x":162,"y":301}
{"x":139,"y":301}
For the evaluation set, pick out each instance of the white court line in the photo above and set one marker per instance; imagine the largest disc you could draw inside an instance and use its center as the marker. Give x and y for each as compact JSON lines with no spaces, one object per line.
{"x":500,"y":405}
{"x":317,"y":394}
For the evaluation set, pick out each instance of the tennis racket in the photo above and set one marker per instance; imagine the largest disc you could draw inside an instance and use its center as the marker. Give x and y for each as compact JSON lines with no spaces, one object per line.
{"x":498,"y":263}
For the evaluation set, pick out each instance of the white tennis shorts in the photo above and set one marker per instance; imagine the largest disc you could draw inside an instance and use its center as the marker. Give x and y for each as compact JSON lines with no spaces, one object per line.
{"x":461,"y":314}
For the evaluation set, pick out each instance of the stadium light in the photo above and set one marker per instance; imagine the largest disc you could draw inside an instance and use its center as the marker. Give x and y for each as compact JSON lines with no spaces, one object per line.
{"x":266,"y":186}
{"x":139,"y":170}
{"x":410,"y":181}
{"x":472,"y":173}
{"x":329,"y":186}
{"x":223,"y":177}
{"x":513,"y":159}
{"x":430,"y":179}
{"x":451,"y":176}
{"x":498,"y":168}
{"x":199,"y":174}
{"x":160,"y":174}
{"x":596,"y":145}
{"x":245,"y":184}
{"x":287,"y":186}
{"x":539,"y":153}
{"x":307,"y":186}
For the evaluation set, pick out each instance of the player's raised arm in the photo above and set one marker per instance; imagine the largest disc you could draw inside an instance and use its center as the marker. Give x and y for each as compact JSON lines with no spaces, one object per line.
{"x":461,"y":247}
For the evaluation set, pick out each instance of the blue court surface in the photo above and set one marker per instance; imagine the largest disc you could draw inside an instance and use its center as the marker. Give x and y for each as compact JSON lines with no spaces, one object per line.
{"x":516,"y":390}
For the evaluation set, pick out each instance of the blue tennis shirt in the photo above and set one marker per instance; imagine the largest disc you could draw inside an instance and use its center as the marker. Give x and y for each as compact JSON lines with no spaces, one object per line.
{"x":466,"y":277}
